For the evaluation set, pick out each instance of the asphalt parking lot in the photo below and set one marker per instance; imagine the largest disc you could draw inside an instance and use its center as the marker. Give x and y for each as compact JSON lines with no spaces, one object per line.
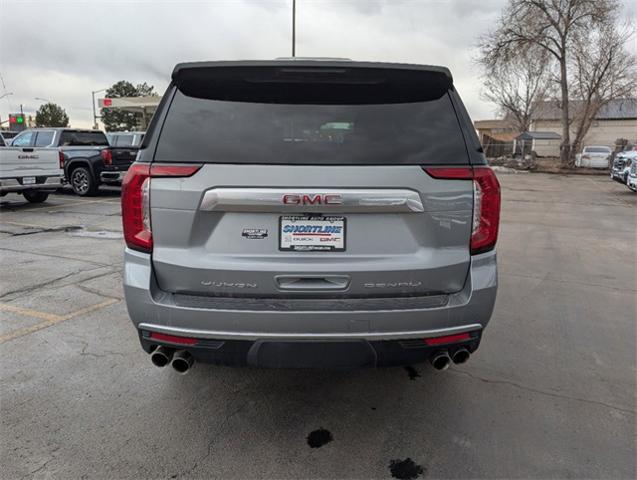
{"x":550,"y":393}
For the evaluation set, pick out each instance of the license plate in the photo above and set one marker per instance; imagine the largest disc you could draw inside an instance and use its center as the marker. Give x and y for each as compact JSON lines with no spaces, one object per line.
{"x":305,"y":233}
{"x":28,"y":180}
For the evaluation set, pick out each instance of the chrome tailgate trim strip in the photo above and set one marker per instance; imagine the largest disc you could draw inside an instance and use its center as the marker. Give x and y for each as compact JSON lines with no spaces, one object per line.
{"x":311,"y":200}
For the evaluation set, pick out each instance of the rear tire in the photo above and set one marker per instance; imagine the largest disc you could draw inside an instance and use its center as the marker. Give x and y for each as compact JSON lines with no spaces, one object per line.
{"x":34,"y":196}
{"x":82,"y":182}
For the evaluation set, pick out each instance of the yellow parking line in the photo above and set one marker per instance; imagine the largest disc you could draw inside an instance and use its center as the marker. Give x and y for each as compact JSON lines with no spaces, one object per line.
{"x":20,"y":224}
{"x":50,"y":319}
{"x":74,"y":204}
{"x":27,"y":312}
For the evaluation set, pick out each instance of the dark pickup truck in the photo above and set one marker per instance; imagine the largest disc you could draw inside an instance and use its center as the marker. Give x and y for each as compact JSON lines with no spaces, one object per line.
{"x":89,"y":160}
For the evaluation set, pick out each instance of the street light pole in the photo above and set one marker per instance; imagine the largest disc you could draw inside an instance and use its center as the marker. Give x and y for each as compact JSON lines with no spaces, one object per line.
{"x":94,"y":115}
{"x":293,"y":28}
{"x":5,"y":95}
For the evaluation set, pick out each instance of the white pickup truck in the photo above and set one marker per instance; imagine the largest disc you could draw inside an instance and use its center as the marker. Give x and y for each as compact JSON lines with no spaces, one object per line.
{"x":33,"y":172}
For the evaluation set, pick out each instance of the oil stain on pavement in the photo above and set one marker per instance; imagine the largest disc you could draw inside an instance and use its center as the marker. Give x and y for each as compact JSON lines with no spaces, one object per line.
{"x":405,"y":469}
{"x":412,"y":372}
{"x":319,"y":437}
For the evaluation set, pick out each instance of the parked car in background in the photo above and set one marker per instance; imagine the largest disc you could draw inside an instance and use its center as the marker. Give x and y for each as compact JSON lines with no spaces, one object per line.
{"x":29,"y":172}
{"x":632,"y":176}
{"x":622,"y":165}
{"x":125,"y":139}
{"x":292,"y":228}
{"x":597,"y":156}
{"x":89,"y":160}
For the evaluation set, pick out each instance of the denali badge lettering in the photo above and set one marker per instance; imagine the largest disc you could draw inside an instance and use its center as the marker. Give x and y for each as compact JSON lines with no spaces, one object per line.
{"x":228,"y":284}
{"x":313,"y":199}
{"x":393,"y":285}
{"x":254,"y":233}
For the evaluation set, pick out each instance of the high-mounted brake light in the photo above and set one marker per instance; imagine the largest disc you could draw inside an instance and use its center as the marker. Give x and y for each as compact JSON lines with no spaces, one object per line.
{"x":107,"y":156}
{"x":136,"y":201}
{"x":486,"y":202}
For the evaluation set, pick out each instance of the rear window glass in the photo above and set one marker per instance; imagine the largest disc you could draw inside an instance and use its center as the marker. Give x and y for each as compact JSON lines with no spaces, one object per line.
{"x":123,"y":140}
{"x":44,"y":139}
{"x":79,"y":139}
{"x":216,"y":131}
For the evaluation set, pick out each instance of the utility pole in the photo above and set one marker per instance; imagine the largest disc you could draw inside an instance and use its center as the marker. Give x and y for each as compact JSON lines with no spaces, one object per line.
{"x":293,"y":28}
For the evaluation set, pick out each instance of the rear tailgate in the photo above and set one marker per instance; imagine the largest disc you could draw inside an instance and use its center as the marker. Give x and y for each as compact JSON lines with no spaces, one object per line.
{"x":312,"y":184}
{"x":123,"y":156}
{"x":219,"y":232}
{"x":18,"y":162}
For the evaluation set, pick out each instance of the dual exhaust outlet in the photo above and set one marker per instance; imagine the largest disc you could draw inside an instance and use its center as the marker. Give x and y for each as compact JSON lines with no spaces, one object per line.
{"x":180,"y":360}
{"x":442,"y":360}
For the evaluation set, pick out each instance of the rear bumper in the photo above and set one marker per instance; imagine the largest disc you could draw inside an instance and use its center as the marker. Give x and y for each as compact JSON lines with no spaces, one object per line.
{"x":313,"y":354}
{"x":8,"y":185}
{"x":241,"y":328}
{"x":112,"y":176}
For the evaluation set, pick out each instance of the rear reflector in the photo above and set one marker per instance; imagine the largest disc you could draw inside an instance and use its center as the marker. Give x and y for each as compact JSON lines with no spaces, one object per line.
{"x":162,"y":337}
{"x":486,"y":202}
{"x":460,"y":337}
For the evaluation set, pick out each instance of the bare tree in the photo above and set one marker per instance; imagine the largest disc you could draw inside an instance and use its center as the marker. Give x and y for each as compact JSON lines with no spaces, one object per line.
{"x":551,"y":25}
{"x":518,"y":86}
{"x":603,"y":70}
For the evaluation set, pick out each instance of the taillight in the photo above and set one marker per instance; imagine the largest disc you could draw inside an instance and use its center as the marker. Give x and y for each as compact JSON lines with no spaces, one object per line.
{"x":61,"y":160}
{"x":107,"y":156}
{"x":486,"y":210}
{"x":136,"y":201}
{"x":486,"y":202}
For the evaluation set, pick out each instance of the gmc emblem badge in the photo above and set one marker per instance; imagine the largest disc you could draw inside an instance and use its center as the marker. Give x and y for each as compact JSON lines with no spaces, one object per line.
{"x":313,"y":199}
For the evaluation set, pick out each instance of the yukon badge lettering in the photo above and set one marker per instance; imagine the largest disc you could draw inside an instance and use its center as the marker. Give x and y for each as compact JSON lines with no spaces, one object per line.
{"x":312,"y":199}
{"x":228,"y":284}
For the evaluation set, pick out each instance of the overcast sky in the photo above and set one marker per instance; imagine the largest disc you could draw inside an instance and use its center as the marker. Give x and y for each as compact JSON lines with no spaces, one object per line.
{"x":62,"y":50}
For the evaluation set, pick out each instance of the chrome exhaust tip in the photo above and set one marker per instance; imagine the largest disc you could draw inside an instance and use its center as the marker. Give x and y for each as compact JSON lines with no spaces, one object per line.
{"x":182,"y":362}
{"x":461,"y":356}
{"x":161,"y":356}
{"x":441,"y":361}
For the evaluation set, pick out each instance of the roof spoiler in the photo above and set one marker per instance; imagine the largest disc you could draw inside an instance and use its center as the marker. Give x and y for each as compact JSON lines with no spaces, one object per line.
{"x":180,"y":68}
{"x":330,"y":82}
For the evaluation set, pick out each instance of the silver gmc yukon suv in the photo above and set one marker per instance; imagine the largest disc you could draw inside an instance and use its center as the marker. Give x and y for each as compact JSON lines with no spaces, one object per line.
{"x":310,"y":213}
